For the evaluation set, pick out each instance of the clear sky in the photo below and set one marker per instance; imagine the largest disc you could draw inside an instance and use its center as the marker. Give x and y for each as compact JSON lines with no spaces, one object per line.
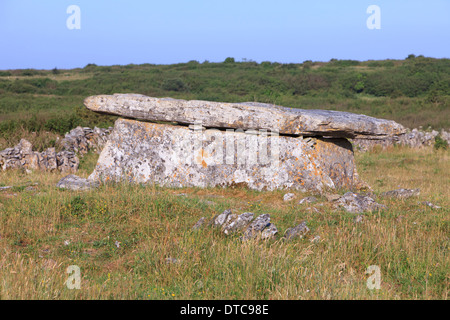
{"x":34,"y":33}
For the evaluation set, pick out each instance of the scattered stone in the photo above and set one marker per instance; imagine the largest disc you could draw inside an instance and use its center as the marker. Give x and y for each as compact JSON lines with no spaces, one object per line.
{"x":220,"y":219}
{"x":269,"y":232}
{"x":401,"y":193}
{"x":73,"y":182}
{"x":171,"y":260}
{"x":297,"y":232}
{"x":257,"y":226}
{"x":242,"y":221}
{"x":431,"y":205}
{"x":312,"y":209}
{"x":288,"y":197}
{"x":358,"y":219}
{"x":66,"y":242}
{"x":228,"y":220}
{"x":355,"y":203}
{"x":5,"y":188}
{"x":308,"y":200}
{"x":199,"y":223}
{"x":117,"y":244}
{"x":316,"y":239}
{"x":332,"y":197}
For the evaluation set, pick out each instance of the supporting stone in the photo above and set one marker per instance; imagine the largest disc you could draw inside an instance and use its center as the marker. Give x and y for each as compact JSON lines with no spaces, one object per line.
{"x":143,"y":152}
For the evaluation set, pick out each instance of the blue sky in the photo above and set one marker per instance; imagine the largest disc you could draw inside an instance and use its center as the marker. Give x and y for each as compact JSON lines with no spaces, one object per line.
{"x":33,"y":34}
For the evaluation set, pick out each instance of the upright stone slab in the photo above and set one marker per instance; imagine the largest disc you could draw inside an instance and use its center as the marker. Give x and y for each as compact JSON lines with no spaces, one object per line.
{"x":176,"y":156}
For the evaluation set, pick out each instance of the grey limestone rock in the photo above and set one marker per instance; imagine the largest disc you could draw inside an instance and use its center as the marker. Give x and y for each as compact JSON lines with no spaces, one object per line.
{"x":73,"y":182}
{"x":288,"y":197}
{"x":257,"y":226}
{"x":241,"y":221}
{"x":401,"y":193}
{"x":199,"y":223}
{"x":308,"y":200}
{"x":247,"y":115}
{"x":356,"y":203}
{"x":431,"y":205}
{"x":296,"y":232}
{"x":269,"y":232}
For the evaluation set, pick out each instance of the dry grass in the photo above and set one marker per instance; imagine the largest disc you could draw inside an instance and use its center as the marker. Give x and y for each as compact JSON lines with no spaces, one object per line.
{"x":44,"y":230}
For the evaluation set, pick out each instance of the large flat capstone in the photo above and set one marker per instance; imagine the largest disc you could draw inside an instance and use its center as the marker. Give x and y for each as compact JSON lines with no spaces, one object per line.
{"x":247,"y":115}
{"x":178,"y":156}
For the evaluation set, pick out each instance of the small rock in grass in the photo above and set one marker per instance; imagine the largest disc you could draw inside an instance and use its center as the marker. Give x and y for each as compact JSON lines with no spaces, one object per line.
{"x":288,"y":197}
{"x":171,"y":260}
{"x":297,"y":232}
{"x":431,"y":205}
{"x":220,"y":219}
{"x":312,"y":209}
{"x":257,"y":226}
{"x":269,"y":232}
{"x":199,"y":223}
{"x":239,"y":223}
{"x":308,"y":200}
{"x":355,"y":203}
{"x":358,"y":219}
{"x":401,"y":193}
{"x":73,"y":182}
{"x":332,"y":197}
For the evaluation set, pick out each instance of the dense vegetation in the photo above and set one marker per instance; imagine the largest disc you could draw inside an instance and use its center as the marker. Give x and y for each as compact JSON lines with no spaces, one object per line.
{"x":414,"y":91}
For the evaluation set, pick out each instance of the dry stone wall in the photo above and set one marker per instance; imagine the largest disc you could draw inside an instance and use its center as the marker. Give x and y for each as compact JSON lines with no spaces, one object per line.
{"x":415,"y":138}
{"x":75,"y":143}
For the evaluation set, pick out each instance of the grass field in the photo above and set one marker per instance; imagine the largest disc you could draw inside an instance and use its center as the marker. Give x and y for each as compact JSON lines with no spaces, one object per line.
{"x":135,"y":242}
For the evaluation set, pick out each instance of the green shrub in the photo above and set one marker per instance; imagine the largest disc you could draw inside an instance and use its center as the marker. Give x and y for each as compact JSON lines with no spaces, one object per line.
{"x":174,"y":85}
{"x":229,"y":60}
{"x":344,"y":63}
{"x":62,"y":125}
{"x":440,"y":143}
{"x":19,"y":86}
